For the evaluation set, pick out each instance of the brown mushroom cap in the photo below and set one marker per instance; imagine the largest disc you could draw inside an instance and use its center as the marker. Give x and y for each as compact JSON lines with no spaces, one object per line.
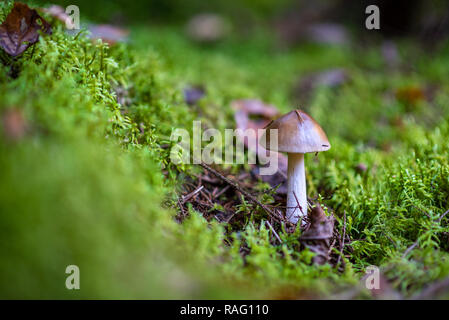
{"x":297,"y":133}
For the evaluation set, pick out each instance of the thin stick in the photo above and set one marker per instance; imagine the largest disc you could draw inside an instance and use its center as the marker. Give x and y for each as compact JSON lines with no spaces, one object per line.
{"x":444,"y":214}
{"x":410,"y":249}
{"x":297,"y":202}
{"x":207,"y":196}
{"x":274,"y":232}
{"x":423,"y":212}
{"x":221,"y":192}
{"x":391,"y":240}
{"x":191,"y":194}
{"x":245,"y":193}
{"x":181,"y":207}
{"x":439,"y":219}
{"x":331,"y":247}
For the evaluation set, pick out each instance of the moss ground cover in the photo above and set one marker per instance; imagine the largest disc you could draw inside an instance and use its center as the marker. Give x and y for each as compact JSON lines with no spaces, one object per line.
{"x":89,"y":181}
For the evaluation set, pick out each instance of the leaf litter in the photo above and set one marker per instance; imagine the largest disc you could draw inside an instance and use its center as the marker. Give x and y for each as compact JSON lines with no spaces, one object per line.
{"x":21,"y":29}
{"x":219,"y":195}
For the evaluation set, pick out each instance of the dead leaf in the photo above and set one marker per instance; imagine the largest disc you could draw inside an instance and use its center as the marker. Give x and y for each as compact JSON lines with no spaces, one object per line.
{"x":21,"y":29}
{"x":14,"y":124}
{"x":257,"y":107}
{"x":319,"y":234}
{"x":254,"y":114}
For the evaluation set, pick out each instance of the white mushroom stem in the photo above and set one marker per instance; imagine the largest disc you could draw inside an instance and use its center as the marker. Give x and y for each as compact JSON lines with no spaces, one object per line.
{"x":296,"y":185}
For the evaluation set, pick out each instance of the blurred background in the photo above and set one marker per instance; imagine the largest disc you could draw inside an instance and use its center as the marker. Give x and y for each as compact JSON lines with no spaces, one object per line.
{"x":399,"y":18}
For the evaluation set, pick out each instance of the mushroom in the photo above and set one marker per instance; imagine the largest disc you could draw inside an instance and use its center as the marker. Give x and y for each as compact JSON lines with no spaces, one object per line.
{"x":298,"y":133}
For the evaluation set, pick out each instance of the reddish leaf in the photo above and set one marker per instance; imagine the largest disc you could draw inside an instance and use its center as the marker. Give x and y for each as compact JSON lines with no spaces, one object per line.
{"x":21,"y":29}
{"x":245,"y":113}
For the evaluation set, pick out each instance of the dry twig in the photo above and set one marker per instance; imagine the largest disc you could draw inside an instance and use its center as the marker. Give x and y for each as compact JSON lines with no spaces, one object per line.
{"x":191,"y":194}
{"x":443,"y":215}
{"x":274,"y":232}
{"x":245,"y":193}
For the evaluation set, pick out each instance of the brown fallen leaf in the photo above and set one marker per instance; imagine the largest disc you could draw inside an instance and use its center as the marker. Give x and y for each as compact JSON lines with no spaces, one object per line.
{"x":254,"y":114}
{"x":256,"y":107}
{"x":319,"y":234}
{"x":21,"y":29}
